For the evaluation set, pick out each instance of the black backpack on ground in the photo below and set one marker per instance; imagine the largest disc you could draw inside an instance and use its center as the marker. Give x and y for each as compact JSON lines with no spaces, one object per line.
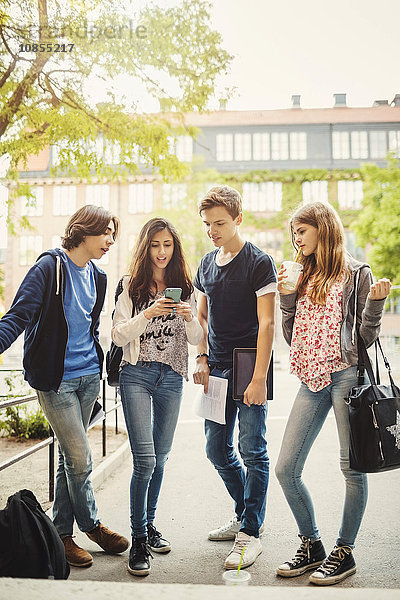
{"x":114,"y":355}
{"x":29,"y":542}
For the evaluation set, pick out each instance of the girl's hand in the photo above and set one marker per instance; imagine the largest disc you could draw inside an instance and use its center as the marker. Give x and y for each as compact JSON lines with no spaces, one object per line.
{"x":184,"y":310}
{"x":380,"y":289}
{"x":281,"y":279}
{"x":161,"y":306}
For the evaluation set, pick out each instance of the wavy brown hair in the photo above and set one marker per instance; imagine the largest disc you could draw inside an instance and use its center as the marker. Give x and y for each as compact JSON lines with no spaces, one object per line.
{"x":329,"y":260}
{"x":141,"y":284}
{"x":88,"y":220}
{"x":222,"y":195}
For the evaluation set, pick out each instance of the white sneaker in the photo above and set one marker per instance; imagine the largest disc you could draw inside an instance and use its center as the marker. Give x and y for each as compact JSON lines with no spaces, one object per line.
{"x":228,"y":531}
{"x":252,"y":547}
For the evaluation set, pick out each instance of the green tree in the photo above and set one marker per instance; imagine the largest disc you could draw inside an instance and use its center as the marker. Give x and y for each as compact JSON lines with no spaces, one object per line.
{"x":46,"y":94}
{"x":378,"y":223}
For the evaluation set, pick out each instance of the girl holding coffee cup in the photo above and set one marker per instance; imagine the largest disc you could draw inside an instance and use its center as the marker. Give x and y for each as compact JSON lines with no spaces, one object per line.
{"x":321,"y":312}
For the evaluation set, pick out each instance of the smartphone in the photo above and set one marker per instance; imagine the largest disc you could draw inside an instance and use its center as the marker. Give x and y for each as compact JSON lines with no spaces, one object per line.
{"x":173,"y":293}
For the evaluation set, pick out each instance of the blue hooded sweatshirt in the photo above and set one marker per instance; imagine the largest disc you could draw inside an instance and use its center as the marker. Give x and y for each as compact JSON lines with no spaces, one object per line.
{"x":38,"y":309}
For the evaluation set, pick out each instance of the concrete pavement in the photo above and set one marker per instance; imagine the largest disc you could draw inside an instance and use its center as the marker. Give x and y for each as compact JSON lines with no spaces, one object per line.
{"x":193,"y":501}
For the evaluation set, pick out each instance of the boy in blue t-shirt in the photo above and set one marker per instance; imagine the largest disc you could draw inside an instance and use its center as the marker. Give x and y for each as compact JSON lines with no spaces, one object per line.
{"x":58,"y":305}
{"x":236,"y":306}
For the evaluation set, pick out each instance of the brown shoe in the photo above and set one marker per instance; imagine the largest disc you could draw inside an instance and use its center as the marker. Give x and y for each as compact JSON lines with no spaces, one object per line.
{"x":76,"y":556}
{"x":108,"y":540}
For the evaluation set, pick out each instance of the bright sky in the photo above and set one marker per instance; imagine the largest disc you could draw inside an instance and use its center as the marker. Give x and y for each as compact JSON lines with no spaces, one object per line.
{"x":310,"y":47}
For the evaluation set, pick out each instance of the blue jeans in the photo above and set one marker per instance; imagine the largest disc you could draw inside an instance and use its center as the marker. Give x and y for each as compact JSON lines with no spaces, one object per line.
{"x":151,"y":394}
{"x":248,"y":487}
{"x":68,"y":412}
{"x":307,"y":416}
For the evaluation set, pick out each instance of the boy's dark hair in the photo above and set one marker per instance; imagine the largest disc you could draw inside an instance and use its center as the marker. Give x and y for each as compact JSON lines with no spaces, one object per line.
{"x":88,"y":220}
{"x":222,"y":195}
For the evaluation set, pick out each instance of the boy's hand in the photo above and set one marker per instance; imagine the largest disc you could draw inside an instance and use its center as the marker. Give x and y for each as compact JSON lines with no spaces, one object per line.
{"x":202,"y":372}
{"x":255,"y":393}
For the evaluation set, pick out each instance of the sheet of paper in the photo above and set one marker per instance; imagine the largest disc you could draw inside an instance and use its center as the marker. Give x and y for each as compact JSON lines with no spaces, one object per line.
{"x":212,"y":405}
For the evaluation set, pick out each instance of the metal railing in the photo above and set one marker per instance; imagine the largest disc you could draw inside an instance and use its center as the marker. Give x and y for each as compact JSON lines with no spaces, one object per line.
{"x":50,"y":441}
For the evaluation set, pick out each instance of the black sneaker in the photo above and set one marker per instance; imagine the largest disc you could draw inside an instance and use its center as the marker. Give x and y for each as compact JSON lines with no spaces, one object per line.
{"x":308,"y":556}
{"x":139,"y":555}
{"x":339,"y":565}
{"x":156,"y":540}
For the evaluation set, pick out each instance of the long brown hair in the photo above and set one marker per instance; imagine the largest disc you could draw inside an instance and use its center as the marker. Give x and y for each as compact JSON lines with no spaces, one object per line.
{"x":329,"y":260}
{"x":141,"y":283}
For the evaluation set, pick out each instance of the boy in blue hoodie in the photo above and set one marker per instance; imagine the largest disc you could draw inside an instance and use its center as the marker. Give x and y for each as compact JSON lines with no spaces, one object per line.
{"x":58,"y":305}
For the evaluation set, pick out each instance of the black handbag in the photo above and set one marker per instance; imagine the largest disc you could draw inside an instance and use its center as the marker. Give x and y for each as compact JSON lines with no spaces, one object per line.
{"x":114,"y":355}
{"x":374,"y":414}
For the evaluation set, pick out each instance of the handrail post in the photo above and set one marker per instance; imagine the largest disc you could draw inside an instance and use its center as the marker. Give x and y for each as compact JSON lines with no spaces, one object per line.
{"x":116,"y":410}
{"x":104,"y":430}
{"x":51,"y":465}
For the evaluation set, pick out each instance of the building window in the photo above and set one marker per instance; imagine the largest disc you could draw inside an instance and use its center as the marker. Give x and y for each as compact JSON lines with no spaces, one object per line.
{"x":262,"y":197}
{"x":64,"y":200}
{"x":350,"y":242}
{"x":56,"y":241}
{"x":261,"y":146}
{"x":298,"y":145}
{"x":269,"y":241}
{"x":30,"y":246}
{"x":279,"y":146}
{"x":104,"y":310}
{"x":99,"y":195}
{"x":224,"y":147}
{"x":394,"y":143}
{"x":315,"y":191}
{"x":173,"y":194}
{"x":55,"y":155}
{"x":33,"y":207}
{"x":184,"y":148}
{"x":112,"y":153}
{"x":340,"y":145}
{"x":132,"y":241}
{"x":350,"y":194}
{"x":359,"y":144}
{"x":140,"y":198}
{"x":242,"y":146}
{"x":378,"y":144}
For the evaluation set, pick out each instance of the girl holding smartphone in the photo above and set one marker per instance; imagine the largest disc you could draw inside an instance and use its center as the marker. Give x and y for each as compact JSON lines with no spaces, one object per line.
{"x":334,"y":298}
{"x":155,"y":361}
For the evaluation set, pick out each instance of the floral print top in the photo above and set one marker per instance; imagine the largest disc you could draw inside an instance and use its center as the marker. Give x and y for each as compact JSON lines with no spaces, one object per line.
{"x":315,"y":348}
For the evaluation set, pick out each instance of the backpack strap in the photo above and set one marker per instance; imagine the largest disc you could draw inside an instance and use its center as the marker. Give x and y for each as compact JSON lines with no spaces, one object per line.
{"x":119,"y":289}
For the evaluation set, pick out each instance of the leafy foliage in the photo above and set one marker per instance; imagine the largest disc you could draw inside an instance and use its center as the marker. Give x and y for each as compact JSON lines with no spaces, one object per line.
{"x":49,"y":97}
{"x":21,"y":421}
{"x":378,"y":224}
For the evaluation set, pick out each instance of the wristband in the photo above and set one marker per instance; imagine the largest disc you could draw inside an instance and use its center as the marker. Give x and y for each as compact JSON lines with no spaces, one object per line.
{"x":201,"y":354}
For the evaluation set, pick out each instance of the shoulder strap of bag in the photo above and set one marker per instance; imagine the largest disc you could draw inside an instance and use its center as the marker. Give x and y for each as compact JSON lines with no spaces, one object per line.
{"x":365,"y":362}
{"x":119,"y":289}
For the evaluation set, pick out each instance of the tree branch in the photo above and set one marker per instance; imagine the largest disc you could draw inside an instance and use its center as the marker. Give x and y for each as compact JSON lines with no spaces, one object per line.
{"x":22,"y":88}
{"x":10,"y":69}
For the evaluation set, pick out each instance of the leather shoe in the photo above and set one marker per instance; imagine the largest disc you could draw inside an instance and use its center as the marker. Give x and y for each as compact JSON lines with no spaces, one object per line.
{"x":76,"y":556}
{"x":111,"y":542}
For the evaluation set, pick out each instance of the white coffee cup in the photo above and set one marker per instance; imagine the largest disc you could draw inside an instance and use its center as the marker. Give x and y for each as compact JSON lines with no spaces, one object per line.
{"x":292,"y":274}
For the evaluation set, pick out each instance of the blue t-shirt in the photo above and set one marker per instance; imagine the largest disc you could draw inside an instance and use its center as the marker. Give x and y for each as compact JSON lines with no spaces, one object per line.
{"x":232,"y":300}
{"x":79,"y":300}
